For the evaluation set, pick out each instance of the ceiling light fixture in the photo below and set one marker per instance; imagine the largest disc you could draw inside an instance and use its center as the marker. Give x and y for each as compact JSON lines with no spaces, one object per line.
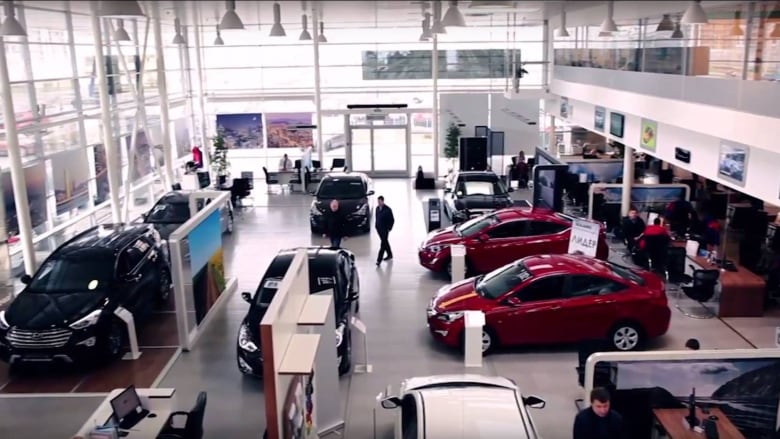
{"x":277,"y":30}
{"x":562,"y":31}
{"x":11,"y":26}
{"x":695,"y":14}
{"x":736,"y":31}
{"x":678,"y":33}
{"x":321,"y":38}
{"x":426,"y":28}
{"x":437,"y":27}
{"x":453,"y":17}
{"x":218,"y":41}
{"x":117,"y":9}
{"x":120,"y":34}
{"x":608,"y":25}
{"x":666,"y":24}
{"x":179,"y":38}
{"x":305,"y":35}
{"x":231,"y":20}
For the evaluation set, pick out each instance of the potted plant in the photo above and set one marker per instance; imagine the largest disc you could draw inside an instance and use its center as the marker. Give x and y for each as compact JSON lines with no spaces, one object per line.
{"x":452,"y":144}
{"x":219,"y":159}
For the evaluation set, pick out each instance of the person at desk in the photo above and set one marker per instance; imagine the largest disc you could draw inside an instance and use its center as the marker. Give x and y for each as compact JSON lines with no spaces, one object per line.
{"x":285,"y":164}
{"x":589,"y":152}
{"x":655,"y":229}
{"x":633,"y":226}
{"x":598,"y":421}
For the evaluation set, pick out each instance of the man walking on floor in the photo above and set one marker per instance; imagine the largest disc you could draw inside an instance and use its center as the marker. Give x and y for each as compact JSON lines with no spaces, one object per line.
{"x":334,"y":225}
{"x":384,"y":224}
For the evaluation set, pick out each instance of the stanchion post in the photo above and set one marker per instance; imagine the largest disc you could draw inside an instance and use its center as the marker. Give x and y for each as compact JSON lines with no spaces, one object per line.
{"x":472,"y":347}
{"x":132,"y":336}
{"x":458,"y":256}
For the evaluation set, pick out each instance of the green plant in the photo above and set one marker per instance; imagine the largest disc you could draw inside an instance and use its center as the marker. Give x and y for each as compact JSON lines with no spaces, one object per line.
{"x":219,"y":156}
{"x":452,"y":145}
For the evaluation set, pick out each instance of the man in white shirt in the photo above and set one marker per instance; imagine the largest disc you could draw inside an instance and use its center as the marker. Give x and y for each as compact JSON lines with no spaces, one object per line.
{"x":285,"y":164}
{"x":306,"y":158}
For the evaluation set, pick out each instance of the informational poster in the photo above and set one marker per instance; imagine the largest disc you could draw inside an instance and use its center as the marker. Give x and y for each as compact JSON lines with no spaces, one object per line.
{"x":584,"y":237}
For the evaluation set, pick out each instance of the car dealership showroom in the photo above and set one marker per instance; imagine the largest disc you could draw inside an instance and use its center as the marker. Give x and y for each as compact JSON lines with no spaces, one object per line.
{"x":390,"y":219}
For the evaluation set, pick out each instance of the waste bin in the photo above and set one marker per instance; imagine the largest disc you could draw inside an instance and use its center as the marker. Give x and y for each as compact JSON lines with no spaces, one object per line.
{"x":434,"y":214}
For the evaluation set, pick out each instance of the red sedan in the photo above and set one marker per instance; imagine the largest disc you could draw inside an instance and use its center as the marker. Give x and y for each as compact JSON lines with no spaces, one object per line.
{"x":555,"y":299}
{"x":502,"y":237}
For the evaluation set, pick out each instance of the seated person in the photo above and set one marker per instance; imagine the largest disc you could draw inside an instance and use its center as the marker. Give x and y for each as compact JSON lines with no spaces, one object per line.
{"x":633,"y":226}
{"x":589,"y":152}
{"x":285,"y":164}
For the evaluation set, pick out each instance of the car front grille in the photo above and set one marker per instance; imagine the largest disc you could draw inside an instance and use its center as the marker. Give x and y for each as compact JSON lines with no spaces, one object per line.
{"x":47,"y":338}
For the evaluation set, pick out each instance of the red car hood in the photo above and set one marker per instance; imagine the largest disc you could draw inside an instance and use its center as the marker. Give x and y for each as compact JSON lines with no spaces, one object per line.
{"x":460,"y":296}
{"x":446,"y":235}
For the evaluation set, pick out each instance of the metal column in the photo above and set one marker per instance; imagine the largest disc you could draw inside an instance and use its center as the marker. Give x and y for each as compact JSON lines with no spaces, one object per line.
{"x":201,"y":86}
{"x":315,"y":17}
{"x":628,"y":180}
{"x":435,"y":68}
{"x":109,"y":141}
{"x":17,"y":168}
{"x":162,"y":88}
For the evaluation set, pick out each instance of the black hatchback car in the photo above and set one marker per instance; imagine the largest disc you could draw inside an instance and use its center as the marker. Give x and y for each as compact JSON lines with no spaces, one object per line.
{"x":328,"y":268}
{"x":352,"y":190}
{"x":66,"y":311}
{"x":475,"y":193}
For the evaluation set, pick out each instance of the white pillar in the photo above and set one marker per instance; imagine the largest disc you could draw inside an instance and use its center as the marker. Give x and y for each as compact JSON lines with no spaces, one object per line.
{"x":201,"y":87}
{"x":109,"y":141}
{"x":628,"y":180}
{"x":435,"y":68}
{"x":162,"y":88}
{"x":315,"y":18}
{"x":19,"y":184}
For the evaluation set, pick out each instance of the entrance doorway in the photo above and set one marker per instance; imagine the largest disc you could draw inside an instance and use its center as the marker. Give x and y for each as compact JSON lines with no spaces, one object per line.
{"x":379,"y":150}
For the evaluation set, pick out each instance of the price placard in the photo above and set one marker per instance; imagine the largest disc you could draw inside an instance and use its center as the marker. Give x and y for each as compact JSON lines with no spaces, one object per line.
{"x":584,"y":237}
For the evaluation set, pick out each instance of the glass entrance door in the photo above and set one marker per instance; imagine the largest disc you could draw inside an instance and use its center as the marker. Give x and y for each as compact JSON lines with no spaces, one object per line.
{"x":381,"y":150}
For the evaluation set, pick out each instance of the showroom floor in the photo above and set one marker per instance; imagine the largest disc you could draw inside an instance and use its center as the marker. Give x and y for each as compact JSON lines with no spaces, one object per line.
{"x":393,"y":301}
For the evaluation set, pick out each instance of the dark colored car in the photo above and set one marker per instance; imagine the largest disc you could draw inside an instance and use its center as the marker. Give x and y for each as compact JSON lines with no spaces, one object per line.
{"x":555,"y":299}
{"x":502,"y":237}
{"x":173,"y":209}
{"x":66,"y":311}
{"x":328,"y":269}
{"x":475,"y":193}
{"x":352,"y":190}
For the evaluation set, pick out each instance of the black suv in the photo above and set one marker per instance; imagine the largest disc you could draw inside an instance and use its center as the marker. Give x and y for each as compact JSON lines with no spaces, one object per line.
{"x":173,"y":209}
{"x":66,"y":311}
{"x":474,"y":193}
{"x":352,"y":191}
{"x":328,"y":268}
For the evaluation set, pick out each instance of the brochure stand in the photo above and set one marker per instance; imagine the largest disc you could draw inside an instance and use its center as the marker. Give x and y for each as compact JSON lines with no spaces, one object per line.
{"x":360,"y":327}
{"x":132,"y":336}
{"x":474,"y":321}
{"x":458,"y":255}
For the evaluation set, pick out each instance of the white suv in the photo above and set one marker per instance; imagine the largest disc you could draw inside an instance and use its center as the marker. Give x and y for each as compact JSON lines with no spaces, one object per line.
{"x":462,"y":406}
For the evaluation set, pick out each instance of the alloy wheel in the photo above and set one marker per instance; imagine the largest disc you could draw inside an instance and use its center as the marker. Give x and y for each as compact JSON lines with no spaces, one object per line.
{"x":165,"y":286}
{"x":487,"y":341}
{"x":625,"y":338}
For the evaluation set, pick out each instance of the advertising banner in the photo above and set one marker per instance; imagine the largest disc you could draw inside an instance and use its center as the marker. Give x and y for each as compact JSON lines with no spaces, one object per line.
{"x":584,"y":237}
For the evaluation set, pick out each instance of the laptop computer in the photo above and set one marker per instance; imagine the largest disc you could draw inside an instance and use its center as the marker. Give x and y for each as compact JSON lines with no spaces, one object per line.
{"x":128,"y":410}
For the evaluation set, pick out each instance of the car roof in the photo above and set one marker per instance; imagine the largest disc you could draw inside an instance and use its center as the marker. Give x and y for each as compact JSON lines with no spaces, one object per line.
{"x":511,"y":213}
{"x":477,"y":175}
{"x":472,"y":411}
{"x":176,"y":197}
{"x":540,"y":265}
{"x":104,"y":238}
{"x":319,"y":257}
{"x":345,"y":176}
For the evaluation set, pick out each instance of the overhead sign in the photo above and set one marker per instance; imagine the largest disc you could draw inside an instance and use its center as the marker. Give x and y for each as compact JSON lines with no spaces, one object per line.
{"x":584,"y":238}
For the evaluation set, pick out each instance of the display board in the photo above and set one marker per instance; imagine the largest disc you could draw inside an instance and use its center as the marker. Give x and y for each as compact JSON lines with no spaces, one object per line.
{"x":282,"y":132}
{"x":70,"y":174}
{"x":241,"y":131}
{"x":584,"y":237}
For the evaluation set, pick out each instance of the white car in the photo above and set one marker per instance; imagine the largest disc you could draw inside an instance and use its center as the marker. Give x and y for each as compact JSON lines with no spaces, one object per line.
{"x":462,"y":407}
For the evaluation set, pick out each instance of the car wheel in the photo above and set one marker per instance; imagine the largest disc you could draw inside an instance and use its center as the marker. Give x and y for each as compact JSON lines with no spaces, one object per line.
{"x":166,"y":285}
{"x":113,"y":342}
{"x":346,"y":360}
{"x":229,"y":226}
{"x":626,"y":336}
{"x":489,"y":341}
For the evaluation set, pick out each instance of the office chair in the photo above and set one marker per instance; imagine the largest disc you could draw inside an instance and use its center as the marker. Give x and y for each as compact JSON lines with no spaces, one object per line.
{"x":316,"y":164}
{"x":268,"y":180}
{"x":701,"y":290}
{"x":249,"y":175}
{"x":240,"y":190}
{"x":176,"y":187}
{"x":297,"y":164}
{"x":338,"y":163}
{"x":193,"y":426}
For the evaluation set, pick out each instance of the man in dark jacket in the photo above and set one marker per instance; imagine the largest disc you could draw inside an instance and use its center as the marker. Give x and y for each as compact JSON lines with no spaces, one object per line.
{"x":633,"y":226}
{"x":384,"y":224}
{"x":598,"y":421}
{"x":334,"y":225}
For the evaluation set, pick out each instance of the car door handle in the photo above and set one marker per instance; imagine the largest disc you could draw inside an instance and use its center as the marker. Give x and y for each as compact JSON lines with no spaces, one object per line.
{"x":605,"y":302}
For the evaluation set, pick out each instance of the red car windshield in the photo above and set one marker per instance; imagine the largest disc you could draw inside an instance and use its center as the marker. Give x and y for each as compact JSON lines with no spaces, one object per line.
{"x":476,"y":225}
{"x":497,"y":283}
{"x":625,"y":273}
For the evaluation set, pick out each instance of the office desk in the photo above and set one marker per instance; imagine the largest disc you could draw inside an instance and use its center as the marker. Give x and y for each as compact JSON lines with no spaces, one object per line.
{"x":673,"y":422}
{"x":160,"y":402}
{"x":742,"y":292}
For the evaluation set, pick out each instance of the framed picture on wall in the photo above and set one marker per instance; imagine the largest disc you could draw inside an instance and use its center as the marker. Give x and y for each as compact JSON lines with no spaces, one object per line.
{"x":648,"y":135}
{"x":732,"y":162}
{"x":564,"y":107}
{"x":599,"y":115}
{"x":616,"y":121}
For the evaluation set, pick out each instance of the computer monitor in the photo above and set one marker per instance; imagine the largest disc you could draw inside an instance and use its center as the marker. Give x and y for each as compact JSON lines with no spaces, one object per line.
{"x":126,"y":403}
{"x":204,"y":179}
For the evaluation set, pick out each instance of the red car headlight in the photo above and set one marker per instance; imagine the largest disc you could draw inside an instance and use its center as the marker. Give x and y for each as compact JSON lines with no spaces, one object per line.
{"x":436,"y":248}
{"x":449,"y":317}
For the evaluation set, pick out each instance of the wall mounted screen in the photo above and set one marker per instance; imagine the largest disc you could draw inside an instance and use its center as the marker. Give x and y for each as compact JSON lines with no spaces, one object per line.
{"x":616,"y":121}
{"x":417,"y":64}
{"x":599,"y":116}
{"x":732,"y":162}
{"x":241,"y":131}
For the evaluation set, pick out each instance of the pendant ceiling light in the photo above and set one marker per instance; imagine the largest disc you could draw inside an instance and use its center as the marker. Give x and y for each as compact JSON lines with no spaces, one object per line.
{"x":321,"y":38}
{"x":562,"y":31}
{"x":426,"y":28}
{"x":608,"y":25}
{"x":218,"y":41}
{"x":437,"y":27}
{"x":11,"y":26}
{"x":231,"y":20}
{"x":178,"y":38}
{"x":117,"y":9}
{"x":305,"y":35}
{"x":736,"y":30}
{"x":120,"y":34}
{"x":453,"y":17}
{"x":277,"y":30}
{"x":678,"y":33}
{"x":695,"y":14}
{"x":666,"y":24}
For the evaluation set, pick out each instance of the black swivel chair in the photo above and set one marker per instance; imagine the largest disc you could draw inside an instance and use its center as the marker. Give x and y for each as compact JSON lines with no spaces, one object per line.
{"x":249,"y":175}
{"x":338,"y":164}
{"x":316,"y":164}
{"x":297,"y":164}
{"x":268,"y":180}
{"x":240,"y":190}
{"x":193,"y":426}
{"x":701,"y":290}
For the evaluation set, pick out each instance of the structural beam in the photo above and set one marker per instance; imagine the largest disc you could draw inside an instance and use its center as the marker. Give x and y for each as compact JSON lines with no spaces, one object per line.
{"x":435,"y":67}
{"x":628,"y":180}
{"x":201,"y":85}
{"x":315,"y":17}
{"x":162,"y":89}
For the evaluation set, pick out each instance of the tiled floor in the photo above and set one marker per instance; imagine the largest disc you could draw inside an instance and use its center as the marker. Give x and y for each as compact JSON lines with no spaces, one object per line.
{"x":393,"y":300}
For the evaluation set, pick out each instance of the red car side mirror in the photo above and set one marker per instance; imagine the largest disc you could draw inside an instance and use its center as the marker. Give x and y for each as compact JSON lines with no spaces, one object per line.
{"x":483,"y":237}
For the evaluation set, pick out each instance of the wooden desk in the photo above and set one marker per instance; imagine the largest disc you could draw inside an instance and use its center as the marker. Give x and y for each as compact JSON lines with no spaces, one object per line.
{"x":673,"y":422}
{"x":741,"y":292}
